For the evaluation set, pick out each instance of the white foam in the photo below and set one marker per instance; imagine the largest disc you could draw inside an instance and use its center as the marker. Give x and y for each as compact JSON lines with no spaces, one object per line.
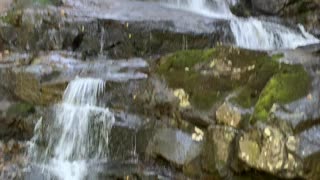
{"x":79,"y":132}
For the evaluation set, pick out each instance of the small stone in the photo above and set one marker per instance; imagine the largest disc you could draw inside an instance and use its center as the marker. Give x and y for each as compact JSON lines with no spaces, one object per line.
{"x":183,"y":97}
{"x":198,"y":131}
{"x":243,"y":155}
{"x":187,"y":69}
{"x":212,"y":64}
{"x":267,"y":132}
{"x":62,"y":12}
{"x":278,"y":165}
{"x":228,"y":115}
{"x":198,"y":135}
{"x":291,"y":143}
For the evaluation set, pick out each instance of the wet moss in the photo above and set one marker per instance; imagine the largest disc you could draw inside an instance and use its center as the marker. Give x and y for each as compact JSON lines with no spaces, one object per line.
{"x":20,"y":109}
{"x":258,"y":79}
{"x":207,"y":75}
{"x":185,"y":59}
{"x":284,"y":87}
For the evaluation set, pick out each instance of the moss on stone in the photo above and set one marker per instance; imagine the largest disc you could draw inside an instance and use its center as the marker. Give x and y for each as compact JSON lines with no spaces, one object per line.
{"x":185,"y":59}
{"x":208,"y":76}
{"x":20,"y":109}
{"x":287,"y":86}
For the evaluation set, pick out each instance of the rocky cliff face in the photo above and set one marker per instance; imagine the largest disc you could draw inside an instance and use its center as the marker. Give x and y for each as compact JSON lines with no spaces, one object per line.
{"x":187,"y":102}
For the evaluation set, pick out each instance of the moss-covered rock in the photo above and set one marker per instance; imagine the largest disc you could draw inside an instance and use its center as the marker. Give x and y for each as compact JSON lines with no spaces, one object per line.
{"x":20,"y":109}
{"x":256,"y":78}
{"x":283,"y":88}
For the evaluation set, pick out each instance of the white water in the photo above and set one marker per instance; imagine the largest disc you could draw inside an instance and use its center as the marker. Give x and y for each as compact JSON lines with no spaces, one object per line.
{"x":249,"y":33}
{"x":78,"y":133}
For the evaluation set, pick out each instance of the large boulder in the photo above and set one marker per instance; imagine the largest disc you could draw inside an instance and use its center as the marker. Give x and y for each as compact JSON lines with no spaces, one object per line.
{"x":175,"y":146}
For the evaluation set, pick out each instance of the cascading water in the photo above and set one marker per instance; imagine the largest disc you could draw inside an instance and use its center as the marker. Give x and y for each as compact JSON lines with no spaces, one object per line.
{"x":78,"y":134}
{"x":249,"y":33}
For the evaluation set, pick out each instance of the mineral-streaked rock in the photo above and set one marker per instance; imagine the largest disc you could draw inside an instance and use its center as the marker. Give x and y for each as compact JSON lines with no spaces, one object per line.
{"x":268,"y":149}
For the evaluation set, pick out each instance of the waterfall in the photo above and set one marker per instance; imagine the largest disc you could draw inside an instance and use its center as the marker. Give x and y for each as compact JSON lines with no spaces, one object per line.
{"x":216,"y":8}
{"x":249,"y":33}
{"x":78,"y":133}
{"x":252,"y":33}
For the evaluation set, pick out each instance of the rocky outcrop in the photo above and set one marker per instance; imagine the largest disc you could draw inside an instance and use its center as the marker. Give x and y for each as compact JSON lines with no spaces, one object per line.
{"x":59,"y":28}
{"x":42,"y":79}
{"x":245,"y":78}
{"x":187,"y":111}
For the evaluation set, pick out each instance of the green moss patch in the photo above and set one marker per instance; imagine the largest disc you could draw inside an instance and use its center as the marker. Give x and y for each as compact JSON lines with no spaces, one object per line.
{"x":185,"y":59}
{"x":257,"y":79}
{"x":20,"y":109}
{"x":209,"y":75}
{"x":283,"y":88}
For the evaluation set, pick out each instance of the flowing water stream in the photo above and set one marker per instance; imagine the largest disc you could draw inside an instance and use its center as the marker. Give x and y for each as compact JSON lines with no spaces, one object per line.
{"x":78,"y":134}
{"x":250,"y":33}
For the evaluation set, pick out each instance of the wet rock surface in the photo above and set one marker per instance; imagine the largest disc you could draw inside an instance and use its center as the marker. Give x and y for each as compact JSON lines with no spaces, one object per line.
{"x":189,"y":108}
{"x":115,"y":32}
{"x":175,"y":146}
